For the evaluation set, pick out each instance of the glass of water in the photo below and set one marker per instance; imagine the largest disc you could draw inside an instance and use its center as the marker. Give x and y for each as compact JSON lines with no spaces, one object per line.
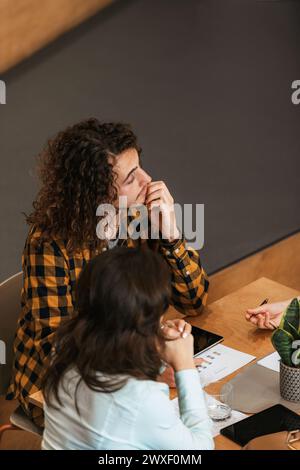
{"x":219,"y":401}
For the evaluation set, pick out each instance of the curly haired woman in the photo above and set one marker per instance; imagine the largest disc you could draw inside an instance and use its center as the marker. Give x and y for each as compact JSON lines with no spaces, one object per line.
{"x":88,"y":164}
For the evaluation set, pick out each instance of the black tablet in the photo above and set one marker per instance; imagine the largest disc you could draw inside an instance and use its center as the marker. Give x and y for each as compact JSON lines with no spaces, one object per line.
{"x":204,"y":339}
{"x":274,"y":419}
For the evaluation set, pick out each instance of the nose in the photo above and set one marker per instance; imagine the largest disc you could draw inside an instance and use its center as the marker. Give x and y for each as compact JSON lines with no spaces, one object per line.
{"x":146,"y":178}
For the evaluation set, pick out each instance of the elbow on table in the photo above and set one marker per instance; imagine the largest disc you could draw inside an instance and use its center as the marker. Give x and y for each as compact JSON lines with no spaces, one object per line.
{"x":197,"y":303}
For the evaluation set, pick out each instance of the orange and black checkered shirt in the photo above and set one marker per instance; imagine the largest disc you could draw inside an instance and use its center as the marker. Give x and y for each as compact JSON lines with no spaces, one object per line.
{"x":48,"y":298}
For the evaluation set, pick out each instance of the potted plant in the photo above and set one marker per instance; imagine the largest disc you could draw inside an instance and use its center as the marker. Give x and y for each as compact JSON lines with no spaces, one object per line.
{"x":286,"y":340}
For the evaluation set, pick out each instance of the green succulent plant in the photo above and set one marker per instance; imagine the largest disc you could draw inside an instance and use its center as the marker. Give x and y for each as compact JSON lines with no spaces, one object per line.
{"x":286,"y":338}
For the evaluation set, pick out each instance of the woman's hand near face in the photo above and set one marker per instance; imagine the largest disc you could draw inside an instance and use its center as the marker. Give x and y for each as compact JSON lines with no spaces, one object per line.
{"x":174,"y":329}
{"x":178,"y":353}
{"x":158,"y":196}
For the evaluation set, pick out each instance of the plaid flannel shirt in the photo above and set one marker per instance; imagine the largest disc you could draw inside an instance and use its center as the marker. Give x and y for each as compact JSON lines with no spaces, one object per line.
{"x":48,"y":298}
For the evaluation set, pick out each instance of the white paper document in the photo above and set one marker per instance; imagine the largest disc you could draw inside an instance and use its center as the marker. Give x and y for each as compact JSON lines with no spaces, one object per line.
{"x":271,"y":361}
{"x":221,"y":361}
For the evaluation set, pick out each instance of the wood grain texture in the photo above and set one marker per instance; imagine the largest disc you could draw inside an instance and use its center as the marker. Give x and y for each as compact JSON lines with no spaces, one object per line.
{"x":28,"y":25}
{"x":280,"y":262}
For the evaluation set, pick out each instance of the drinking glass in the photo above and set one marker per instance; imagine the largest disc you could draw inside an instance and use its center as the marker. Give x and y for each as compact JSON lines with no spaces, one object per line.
{"x":219,"y":401}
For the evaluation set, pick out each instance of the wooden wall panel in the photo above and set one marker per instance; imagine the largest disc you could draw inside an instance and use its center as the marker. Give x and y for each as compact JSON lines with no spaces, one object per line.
{"x":279,"y":262}
{"x":27,"y":25}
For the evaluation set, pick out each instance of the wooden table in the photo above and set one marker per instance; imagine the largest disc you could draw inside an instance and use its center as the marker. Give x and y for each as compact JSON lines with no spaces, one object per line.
{"x":226,"y":317}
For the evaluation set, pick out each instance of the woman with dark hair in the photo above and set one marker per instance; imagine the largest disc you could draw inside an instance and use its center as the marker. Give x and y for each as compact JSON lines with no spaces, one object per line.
{"x":100,"y":389}
{"x":84,"y":166}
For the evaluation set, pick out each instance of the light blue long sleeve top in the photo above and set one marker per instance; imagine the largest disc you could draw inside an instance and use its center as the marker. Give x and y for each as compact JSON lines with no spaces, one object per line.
{"x":138,"y":416}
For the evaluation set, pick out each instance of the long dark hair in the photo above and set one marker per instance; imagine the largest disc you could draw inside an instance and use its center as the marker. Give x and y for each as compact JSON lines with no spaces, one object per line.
{"x":76,"y":176}
{"x":120,"y":298}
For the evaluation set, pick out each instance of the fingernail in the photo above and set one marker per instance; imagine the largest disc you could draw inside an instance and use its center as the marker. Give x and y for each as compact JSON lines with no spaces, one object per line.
{"x":185,"y":334}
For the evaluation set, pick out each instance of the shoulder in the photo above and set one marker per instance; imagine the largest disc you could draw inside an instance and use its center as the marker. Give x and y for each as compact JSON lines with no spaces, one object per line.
{"x":39,"y":251}
{"x":39,"y":244}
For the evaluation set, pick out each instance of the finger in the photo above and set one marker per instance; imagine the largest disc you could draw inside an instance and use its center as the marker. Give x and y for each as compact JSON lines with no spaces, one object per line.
{"x":162,"y":205}
{"x":253,"y":319}
{"x":154,"y":195}
{"x":180,"y":328}
{"x":160,"y":185}
{"x":178,"y":323}
{"x":267,"y":321}
{"x":256,"y":311}
{"x":172,"y":324}
{"x":156,"y":203}
{"x":154,"y":190}
{"x":159,"y":196}
{"x":249,"y":316}
{"x":261,"y":322}
{"x":187,"y":330}
{"x":155,"y":185}
{"x":160,"y":188}
{"x":170,"y":332}
{"x":273,"y":325}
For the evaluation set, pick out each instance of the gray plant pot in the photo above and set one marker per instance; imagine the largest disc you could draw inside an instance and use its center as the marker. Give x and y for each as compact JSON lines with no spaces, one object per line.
{"x":290,"y":382}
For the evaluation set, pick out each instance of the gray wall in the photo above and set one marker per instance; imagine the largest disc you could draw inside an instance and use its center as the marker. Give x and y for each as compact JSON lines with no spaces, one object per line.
{"x":207,"y":86}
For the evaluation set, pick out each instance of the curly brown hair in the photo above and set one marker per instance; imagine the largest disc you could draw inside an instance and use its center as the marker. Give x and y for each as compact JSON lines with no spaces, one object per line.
{"x":76,"y":177}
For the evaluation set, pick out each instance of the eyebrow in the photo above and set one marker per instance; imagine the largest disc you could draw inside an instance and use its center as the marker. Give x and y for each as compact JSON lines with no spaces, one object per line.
{"x":131,"y":171}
